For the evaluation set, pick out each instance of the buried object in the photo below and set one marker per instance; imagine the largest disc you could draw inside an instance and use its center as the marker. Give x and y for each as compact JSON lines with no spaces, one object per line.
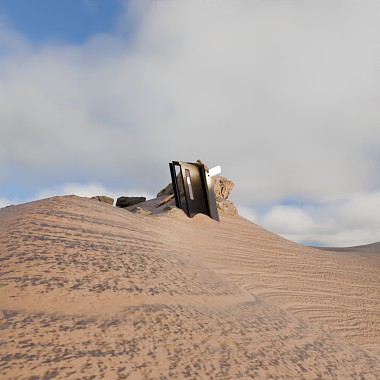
{"x":194,"y":188}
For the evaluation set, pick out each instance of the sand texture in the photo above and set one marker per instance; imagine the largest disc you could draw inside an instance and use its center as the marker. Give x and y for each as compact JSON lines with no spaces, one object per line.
{"x":91,"y":291}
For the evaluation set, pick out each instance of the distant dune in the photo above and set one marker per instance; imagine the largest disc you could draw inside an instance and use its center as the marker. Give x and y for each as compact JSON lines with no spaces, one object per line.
{"x":367,"y":248}
{"x":91,"y":291}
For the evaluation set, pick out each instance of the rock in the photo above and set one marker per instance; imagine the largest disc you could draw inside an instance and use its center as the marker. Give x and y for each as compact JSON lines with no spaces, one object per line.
{"x":226,"y":206}
{"x":168,"y":190}
{"x":103,"y":198}
{"x":141,"y":211}
{"x":129,"y":201}
{"x":222,"y":190}
{"x":222,"y":187}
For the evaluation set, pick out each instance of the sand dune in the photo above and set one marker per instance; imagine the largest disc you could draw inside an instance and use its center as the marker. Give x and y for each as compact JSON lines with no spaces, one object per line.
{"x":91,"y":291}
{"x":367,"y":248}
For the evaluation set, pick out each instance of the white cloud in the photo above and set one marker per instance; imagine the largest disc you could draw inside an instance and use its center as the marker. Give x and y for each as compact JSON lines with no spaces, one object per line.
{"x":283,"y":95}
{"x":288,"y":220}
{"x":353,"y":221}
{"x":362,"y":210}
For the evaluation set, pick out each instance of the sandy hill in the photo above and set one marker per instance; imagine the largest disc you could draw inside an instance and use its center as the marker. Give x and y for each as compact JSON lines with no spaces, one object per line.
{"x":90,"y":291}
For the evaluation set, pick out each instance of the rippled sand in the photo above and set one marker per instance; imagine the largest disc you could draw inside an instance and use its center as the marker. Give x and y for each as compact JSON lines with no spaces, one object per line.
{"x":90,"y":291}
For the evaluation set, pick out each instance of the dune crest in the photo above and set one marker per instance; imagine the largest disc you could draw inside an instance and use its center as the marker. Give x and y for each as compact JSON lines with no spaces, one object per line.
{"x":93,"y":291}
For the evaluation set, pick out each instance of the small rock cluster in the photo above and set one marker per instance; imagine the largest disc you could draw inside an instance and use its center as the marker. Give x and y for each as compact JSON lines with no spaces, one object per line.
{"x":222,"y":189}
{"x":123,"y":202}
{"x":104,"y":198}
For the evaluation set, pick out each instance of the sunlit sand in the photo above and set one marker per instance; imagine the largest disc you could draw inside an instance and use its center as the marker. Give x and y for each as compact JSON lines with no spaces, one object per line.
{"x":92,"y":291}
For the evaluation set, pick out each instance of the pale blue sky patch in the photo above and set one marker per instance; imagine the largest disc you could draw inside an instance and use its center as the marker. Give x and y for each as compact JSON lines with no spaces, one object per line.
{"x":66,"y":21}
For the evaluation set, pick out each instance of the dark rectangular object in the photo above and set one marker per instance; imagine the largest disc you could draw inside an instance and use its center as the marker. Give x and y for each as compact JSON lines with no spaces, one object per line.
{"x":193,"y":189}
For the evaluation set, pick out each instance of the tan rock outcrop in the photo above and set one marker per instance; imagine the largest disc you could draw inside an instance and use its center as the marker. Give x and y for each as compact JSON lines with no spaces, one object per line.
{"x":168,"y":190}
{"x":104,"y":199}
{"x":222,"y":190}
{"x":226,"y":206}
{"x":222,"y":187}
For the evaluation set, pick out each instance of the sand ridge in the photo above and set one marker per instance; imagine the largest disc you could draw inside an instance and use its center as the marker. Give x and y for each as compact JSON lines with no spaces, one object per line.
{"x":91,"y":291}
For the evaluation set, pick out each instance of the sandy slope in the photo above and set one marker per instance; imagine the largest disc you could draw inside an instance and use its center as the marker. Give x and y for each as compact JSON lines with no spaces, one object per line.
{"x":91,"y":291}
{"x":337,"y":291}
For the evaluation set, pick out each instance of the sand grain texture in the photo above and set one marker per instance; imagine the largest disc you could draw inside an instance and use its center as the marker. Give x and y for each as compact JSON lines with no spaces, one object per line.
{"x":90,"y":291}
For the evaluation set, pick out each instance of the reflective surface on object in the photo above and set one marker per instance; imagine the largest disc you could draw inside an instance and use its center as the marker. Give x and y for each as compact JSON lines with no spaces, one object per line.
{"x":193,"y":189}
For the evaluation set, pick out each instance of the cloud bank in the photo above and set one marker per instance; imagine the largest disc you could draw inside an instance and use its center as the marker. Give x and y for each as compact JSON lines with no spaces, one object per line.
{"x":283,"y":95}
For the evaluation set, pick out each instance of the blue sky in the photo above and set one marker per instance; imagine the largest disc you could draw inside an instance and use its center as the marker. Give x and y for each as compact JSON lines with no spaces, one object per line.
{"x":96,"y":97}
{"x":68,"y":21}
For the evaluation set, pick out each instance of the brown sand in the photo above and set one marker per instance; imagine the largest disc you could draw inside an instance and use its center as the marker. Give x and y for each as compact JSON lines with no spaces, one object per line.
{"x":90,"y":291}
